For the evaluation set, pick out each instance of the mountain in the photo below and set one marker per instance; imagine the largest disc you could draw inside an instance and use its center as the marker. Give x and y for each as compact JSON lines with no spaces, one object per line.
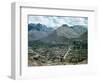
{"x":38,"y":31}
{"x":39,"y":27}
{"x":66,"y":34}
{"x":62,"y":35}
{"x":80,"y":29}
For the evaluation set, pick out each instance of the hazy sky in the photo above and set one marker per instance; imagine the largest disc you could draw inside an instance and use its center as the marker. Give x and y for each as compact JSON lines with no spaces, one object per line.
{"x":56,"y":21}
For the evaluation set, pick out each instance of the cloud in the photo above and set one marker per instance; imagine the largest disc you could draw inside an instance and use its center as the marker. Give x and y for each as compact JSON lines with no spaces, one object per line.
{"x":56,"y":21}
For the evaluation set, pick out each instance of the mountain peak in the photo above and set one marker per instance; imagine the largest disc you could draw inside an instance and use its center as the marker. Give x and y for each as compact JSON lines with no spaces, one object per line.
{"x":65,"y":25}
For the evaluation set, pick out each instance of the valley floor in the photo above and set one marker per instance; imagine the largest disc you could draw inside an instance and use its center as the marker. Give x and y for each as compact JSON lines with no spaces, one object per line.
{"x":55,"y":56}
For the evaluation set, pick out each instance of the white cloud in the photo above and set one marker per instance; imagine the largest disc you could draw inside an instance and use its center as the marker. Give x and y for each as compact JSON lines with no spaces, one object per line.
{"x":56,"y":21}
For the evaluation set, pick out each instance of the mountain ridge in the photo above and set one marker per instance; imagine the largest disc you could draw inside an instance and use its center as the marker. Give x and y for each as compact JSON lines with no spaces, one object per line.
{"x":64,"y":32}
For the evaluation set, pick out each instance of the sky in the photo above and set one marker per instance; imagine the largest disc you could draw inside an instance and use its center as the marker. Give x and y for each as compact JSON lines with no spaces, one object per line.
{"x":56,"y":21}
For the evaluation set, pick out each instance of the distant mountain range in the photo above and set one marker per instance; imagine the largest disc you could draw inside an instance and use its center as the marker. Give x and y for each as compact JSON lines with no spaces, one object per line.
{"x":39,"y":27}
{"x":62,"y":34}
{"x":38,"y":31}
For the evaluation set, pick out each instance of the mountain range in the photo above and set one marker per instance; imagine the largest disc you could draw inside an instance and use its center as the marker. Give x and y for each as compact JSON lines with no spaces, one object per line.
{"x":38,"y":31}
{"x":61,"y":35}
